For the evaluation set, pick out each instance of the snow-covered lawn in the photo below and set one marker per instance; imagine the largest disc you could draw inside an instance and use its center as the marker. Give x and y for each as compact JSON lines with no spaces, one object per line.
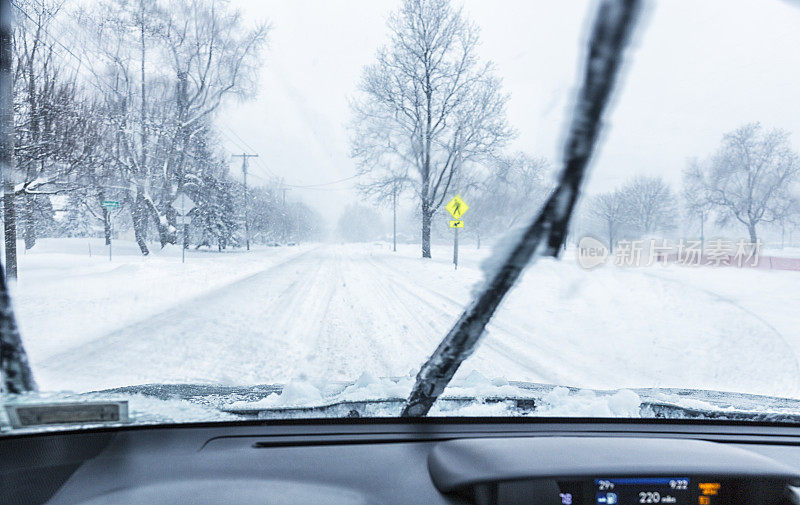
{"x":333,"y":312}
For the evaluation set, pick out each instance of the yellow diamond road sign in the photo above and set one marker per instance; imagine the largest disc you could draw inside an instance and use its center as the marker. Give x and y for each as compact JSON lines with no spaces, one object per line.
{"x":457,"y":207}
{"x":456,"y":223}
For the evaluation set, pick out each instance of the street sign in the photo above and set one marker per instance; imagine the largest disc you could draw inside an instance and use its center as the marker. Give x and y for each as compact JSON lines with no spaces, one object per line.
{"x":457,"y":207}
{"x":110,"y":204}
{"x":183,"y":204}
{"x":182,"y":220}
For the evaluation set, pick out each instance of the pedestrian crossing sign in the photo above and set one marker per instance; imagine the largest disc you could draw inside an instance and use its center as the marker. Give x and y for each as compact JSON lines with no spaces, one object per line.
{"x":457,"y":207}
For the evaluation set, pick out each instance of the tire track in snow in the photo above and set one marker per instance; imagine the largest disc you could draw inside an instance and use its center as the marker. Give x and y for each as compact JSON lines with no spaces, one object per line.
{"x":348,"y":343}
{"x":739,"y":306}
{"x":311,"y":315}
{"x":504,"y":339}
{"x":407,"y":336}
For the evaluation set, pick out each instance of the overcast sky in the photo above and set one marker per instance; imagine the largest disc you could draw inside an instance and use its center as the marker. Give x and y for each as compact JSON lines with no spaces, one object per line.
{"x":700,"y":68}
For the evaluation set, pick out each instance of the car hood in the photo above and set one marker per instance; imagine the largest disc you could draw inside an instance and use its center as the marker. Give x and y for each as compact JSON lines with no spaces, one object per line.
{"x":473,"y":396}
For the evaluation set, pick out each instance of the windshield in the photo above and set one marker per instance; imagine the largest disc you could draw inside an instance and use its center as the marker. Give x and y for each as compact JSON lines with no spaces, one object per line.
{"x":232,"y":210}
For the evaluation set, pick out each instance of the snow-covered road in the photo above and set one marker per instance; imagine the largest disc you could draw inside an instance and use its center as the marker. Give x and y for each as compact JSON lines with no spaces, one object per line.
{"x":332,"y":312}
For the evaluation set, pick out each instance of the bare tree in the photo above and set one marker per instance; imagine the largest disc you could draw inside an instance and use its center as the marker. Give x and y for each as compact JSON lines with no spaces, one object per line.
{"x":428,"y":104}
{"x":120,"y":106}
{"x":610,"y":212}
{"x":98,"y":178}
{"x":791,"y":223}
{"x":388,"y":183}
{"x":513,"y":189}
{"x":165,"y":70}
{"x":42,"y":103}
{"x":121,"y":63}
{"x":649,"y":205}
{"x":787,"y":212}
{"x":747,"y":180}
{"x":212,"y":56}
{"x":695,"y":197}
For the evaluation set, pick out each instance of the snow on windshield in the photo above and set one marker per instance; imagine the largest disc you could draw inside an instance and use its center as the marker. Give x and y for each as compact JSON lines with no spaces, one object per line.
{"x":308,"y":194}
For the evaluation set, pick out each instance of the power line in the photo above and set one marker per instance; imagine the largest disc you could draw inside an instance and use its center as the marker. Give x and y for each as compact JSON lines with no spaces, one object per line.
{"x":56,"y":41}
{"x":243,"y":146}
{"x":246,"y":145}
{"x":311,"y":186}
{"x":323,"y":189}
{"x":320,"y":186}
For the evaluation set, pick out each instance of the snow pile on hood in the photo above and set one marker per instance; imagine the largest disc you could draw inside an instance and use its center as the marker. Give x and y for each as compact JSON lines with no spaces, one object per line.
{"x":296,"y":393}
{"x":472,"y":395}
{"x":474,"y":385}
{"x":586,"y":403}
{"x":368,"y":387}
{"x":145,"y":409}
{"x":499,"y":409}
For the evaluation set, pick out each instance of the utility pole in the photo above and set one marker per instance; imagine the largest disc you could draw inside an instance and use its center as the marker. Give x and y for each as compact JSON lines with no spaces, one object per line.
{"x":285,"y":227}
{"x":246,"y":199}
{"x":394,"y":219}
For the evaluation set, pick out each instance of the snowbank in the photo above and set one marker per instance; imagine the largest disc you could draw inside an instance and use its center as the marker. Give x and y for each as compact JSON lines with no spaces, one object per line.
{"x":65,"y":298}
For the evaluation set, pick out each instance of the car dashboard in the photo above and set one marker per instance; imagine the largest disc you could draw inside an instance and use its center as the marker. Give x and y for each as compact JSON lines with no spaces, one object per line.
{"x":429,"y":461}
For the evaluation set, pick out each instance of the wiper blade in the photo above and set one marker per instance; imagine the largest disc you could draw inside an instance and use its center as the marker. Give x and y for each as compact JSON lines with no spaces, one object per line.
{"x":610,"y":34}
{"x":378,"y":407}
{"x":15,"y":371}
{"x":522,"y":399}
{"x":662,"y":410}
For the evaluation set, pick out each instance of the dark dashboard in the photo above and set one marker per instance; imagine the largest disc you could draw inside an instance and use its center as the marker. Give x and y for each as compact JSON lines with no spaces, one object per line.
{"x":431,"y":461}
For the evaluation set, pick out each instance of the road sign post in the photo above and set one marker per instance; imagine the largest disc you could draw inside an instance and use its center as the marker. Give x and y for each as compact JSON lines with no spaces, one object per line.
{"x":183,"y":205}
{"x":182,"y":222}
{"x":108,"y":205}
{"x":456,"y":207}
{"x":455,"y":249}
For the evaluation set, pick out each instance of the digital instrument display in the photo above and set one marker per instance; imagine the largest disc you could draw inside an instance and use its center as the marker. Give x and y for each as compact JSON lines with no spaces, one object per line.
{"x":644,"y":490}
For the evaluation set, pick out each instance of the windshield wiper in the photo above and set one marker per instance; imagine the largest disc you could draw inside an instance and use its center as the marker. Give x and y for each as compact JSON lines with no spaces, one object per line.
{"x":544,"y":236}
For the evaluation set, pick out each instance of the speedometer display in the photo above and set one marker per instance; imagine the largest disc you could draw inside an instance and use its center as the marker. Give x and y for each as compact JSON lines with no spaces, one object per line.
{"x":645,"y":491}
